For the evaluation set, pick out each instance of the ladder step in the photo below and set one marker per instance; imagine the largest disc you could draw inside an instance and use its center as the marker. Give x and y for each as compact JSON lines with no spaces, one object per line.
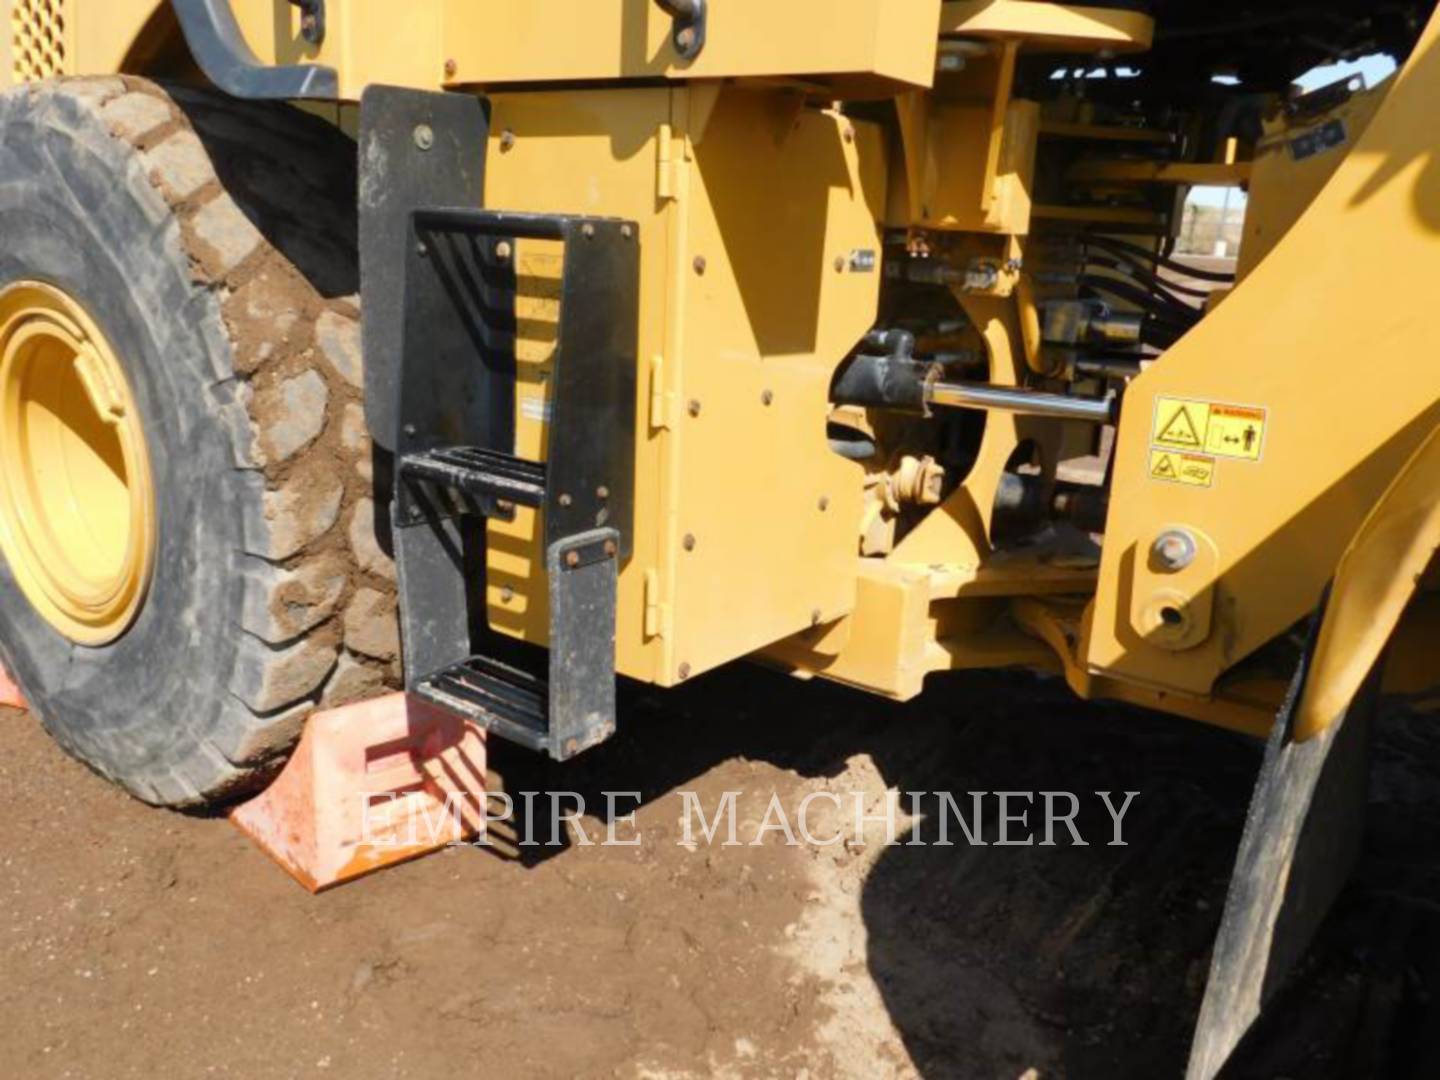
{"x":512,"y":703}
{"x":475,"y":471}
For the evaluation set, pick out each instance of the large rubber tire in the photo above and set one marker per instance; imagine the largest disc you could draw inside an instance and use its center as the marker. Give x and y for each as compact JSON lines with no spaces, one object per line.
{"x":214,"y":244}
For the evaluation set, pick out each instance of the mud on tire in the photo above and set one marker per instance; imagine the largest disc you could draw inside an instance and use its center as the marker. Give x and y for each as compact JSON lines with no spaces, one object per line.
{"x":214,"y":243}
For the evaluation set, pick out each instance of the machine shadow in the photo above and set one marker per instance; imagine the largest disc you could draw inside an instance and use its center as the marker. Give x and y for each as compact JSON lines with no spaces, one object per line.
{"x":1091,"y":959}
{"x":1077,"y":961}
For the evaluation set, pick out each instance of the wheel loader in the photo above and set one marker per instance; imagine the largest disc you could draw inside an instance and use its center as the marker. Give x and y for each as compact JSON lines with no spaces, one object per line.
{"x":493,"y":349}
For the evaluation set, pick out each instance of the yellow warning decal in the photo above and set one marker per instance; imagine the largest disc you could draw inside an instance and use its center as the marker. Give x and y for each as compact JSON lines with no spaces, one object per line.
{"x":1193,"y":470}
{"x":1236,"y":432}
{"x":1233,"y":431}
{"x":1181,"y":424}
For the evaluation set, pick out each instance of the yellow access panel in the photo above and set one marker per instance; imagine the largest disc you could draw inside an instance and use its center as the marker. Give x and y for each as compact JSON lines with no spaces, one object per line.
{"x":870,"y":43}
{"x":759,"y":244}
{"x":776,"y":281}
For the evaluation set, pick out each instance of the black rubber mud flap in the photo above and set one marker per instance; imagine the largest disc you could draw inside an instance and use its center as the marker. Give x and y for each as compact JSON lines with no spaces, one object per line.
{"x":1301,"y":842}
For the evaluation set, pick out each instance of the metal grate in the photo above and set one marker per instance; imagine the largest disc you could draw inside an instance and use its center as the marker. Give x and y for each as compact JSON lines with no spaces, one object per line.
{"x":37,"y":29}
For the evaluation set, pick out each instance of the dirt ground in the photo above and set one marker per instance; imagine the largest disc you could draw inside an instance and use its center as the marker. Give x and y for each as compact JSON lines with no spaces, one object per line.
{"x":140,"y":943}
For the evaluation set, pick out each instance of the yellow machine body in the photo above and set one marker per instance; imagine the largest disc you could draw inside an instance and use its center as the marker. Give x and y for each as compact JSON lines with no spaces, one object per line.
{"x":765,"y":210}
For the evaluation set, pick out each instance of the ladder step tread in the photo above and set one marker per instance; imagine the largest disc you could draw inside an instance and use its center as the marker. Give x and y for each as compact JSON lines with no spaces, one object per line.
{"x":505,"y":700}
{"x":477,"y":471}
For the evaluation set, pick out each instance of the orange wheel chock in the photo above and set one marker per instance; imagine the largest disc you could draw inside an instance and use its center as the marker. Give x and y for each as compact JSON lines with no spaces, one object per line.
{"x":10,"y":694}
{"x":370,"y":785}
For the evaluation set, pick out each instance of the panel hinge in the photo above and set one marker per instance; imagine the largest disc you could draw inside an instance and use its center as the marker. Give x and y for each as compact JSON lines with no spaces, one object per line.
{"x":657,"y":615}
{"x":662,"y":399}
{"x":665,"y":164}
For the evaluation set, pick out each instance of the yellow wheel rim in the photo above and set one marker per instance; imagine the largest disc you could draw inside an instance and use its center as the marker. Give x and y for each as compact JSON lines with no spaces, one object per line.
{"x":77,"y":508}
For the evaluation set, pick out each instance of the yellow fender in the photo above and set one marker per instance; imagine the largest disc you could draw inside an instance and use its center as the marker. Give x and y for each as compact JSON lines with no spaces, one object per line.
{"x":1374,"y":582}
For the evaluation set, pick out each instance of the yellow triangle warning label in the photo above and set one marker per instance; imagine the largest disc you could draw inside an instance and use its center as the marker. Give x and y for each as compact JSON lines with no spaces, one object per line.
{"x":1192,"y":470}
{"x":1179,"y":429}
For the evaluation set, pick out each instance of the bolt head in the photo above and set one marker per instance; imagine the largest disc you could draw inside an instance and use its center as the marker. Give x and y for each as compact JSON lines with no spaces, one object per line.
{"x":824,"y":503}
{"x":503,"y":251}
{"x":626,"y":231}
{"x":565,"y":500}
{"x":610,"y":548}
{"x":685,"y":39}
{"x":451,"y":67}
{"x":699,"y":264}
{"x":766,"y":397}
{"x":507,"y":594}
{"x":507,"y":141}
{"x":689,"y":542}
{"x":1174,"y":550}
{"x":424,"y":136}
{"x":572,"y":559}
{"x":693,"y":408}
{"x":602,"y":492}
{"x":684,"y":671}
{"x":588,"y":231}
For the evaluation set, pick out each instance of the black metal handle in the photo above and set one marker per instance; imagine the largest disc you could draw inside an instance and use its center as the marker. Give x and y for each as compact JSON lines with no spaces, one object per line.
{"x":690,"y":17}
{"x":221,"y":51}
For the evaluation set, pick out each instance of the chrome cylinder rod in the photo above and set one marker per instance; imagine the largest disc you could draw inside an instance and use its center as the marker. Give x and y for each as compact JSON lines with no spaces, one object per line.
{"x":1020,"y":401}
